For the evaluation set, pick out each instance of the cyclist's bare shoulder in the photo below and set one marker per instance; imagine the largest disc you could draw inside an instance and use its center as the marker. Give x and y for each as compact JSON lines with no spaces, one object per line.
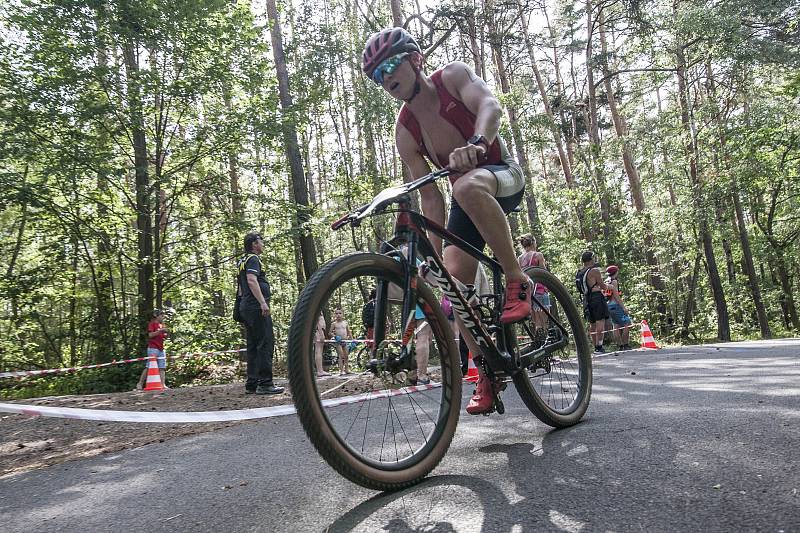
{"x":458,"y":75}
{"x":461,"y":81}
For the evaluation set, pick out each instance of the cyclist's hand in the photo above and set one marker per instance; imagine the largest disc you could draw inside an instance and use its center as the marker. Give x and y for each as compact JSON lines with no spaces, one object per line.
{"x":465,"y":158}
{"x":264,"y":309}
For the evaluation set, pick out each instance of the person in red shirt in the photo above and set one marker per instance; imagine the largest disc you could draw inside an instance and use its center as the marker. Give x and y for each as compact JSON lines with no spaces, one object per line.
{"x":156,"y":332}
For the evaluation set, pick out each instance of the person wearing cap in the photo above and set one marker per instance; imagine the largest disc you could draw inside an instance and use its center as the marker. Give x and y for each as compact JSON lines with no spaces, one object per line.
{"x":616,"y":309}
{"x":255,"y":311}
{"x":156,"y":333}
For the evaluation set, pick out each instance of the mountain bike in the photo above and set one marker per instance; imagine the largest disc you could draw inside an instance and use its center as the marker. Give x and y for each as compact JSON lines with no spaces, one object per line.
{"x":377,"y":430}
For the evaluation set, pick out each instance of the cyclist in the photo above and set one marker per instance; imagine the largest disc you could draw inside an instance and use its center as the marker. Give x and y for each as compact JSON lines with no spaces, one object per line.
{"x":451,"y":118}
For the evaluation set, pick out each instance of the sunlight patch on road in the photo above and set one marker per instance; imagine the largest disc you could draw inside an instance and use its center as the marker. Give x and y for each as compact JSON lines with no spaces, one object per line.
{"x":578,"y":450}
{"x":565,"y":522}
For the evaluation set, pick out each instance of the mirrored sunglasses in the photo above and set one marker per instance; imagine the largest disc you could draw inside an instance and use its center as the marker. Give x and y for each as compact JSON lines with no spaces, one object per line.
{"x":388,"y":66}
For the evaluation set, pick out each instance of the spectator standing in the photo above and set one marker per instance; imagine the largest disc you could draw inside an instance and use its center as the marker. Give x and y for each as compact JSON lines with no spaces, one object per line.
{"x":616,"y":309}
{"x":255,"y":312}
{"x":319,"y":346}
{"x":156,"y":333}
{"x":590,"y":284}
{"x":422,"y":349}
{"x":368,"y":318}
{"x":340,"y":330}
{"x":531,"y":257}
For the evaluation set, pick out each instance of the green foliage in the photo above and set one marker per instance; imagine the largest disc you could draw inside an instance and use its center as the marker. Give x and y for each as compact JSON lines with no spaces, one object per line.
{"x":203,"y":81}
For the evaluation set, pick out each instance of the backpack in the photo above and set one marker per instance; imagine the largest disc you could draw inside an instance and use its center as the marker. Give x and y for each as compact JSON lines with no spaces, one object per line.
{"x":580,"y":282}
{"x":237,"y":315}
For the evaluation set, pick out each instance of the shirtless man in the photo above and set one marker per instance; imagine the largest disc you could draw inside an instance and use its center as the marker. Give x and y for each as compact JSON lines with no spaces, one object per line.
{"x":340,"y":330}
{"x":451,"y":118}
{"x":594,"y":302}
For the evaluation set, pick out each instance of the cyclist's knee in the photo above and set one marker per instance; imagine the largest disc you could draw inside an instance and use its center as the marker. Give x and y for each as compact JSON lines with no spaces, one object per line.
{"x":474,"y":182}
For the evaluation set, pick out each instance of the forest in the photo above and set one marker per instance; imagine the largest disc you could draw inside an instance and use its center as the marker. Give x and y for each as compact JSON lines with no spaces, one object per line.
{"x":140,"y":140}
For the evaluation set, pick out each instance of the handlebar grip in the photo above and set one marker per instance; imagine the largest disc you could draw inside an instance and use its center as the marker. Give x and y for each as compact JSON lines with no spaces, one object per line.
{"x":341,"y":222}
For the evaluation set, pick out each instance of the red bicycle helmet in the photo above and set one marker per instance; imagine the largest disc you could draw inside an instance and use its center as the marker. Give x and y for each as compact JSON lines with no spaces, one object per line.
{"x":612,"y":269}
{"x":385,"y":44}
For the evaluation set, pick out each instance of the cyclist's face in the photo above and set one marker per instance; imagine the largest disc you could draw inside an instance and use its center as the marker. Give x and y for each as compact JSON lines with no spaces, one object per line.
{"x":400,"y":82}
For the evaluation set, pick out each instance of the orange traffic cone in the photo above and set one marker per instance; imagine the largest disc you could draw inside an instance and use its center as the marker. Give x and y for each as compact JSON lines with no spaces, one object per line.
{"x":472,"y":371}
{"x":153,"y":376}
{"x":647,"y":337}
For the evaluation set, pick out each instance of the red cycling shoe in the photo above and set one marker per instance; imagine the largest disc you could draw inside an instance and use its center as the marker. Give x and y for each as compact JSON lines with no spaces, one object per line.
{"x":518,"y":302}
{"x":483,"y":398}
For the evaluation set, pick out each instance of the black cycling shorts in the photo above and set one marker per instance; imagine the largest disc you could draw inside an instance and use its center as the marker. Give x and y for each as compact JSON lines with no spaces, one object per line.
{"x":509,"y":178}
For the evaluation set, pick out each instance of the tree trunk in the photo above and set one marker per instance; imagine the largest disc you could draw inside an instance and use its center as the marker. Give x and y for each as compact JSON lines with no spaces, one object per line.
{"x":566,"y":166}
{"x":474,"y":47}
{"x":569,"y":140}
{"x":740,"y":222}
{"x":689,"y":311}
{"x":690,"y":149}
{"x":621,"y":128}
{"x":755,"y":290}
{"x":595,"y":150}
{"x":297,"y":176}
{"x":233,"y":174}
{"x":787,"y":300}
{"x":144,"y":209}
{"x":397,"y":12}
{"x":516,"y":132}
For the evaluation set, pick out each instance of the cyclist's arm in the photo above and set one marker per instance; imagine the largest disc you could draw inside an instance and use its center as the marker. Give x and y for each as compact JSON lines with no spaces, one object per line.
{"x":432,"y":200}
{"x":475,"y":94}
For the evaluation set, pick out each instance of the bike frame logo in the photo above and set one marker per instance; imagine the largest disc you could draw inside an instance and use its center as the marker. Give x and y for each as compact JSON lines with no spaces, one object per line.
{"x":453,"y":295}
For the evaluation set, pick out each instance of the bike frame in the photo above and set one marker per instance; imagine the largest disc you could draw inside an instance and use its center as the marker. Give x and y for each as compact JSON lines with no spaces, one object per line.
{"x":411,"y":229}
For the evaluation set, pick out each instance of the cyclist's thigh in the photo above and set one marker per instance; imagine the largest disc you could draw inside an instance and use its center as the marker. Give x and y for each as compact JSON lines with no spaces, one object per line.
{"x":459,"y":223}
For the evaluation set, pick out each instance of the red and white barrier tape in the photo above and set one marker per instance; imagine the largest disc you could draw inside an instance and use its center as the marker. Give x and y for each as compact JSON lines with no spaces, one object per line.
{"x":26,"y":373}
{"x":197,"y":416}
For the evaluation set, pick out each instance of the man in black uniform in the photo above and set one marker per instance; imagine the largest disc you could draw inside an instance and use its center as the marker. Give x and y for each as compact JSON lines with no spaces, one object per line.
{"x":255,"y":311}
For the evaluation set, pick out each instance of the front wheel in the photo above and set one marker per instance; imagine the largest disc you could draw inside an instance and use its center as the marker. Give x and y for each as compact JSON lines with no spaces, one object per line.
{"x":557,"y":387}
{"x":386,"y":426}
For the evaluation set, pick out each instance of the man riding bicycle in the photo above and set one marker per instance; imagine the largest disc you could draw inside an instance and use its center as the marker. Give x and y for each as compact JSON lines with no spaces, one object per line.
{"x":451,"y":119}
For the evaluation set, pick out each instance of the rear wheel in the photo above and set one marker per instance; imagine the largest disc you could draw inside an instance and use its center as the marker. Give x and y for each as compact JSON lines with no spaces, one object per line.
{"x":374,"y":427}
{"x":558,"y":386}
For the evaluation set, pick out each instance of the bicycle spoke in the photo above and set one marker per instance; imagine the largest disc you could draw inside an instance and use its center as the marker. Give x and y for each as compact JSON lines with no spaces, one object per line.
{"x":376,"y":414}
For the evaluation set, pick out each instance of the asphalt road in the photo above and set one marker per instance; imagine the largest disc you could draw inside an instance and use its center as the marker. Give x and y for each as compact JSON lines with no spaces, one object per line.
{"x":692,"y":439}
